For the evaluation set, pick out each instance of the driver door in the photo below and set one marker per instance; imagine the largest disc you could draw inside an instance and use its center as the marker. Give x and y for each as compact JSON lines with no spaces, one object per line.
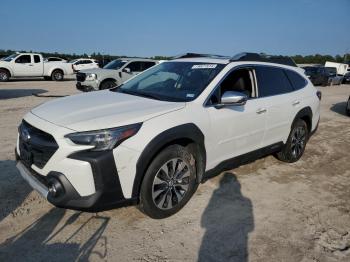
{"x":134,"y":69}
{"x":236,"y":129}
{"x":23,"y":65}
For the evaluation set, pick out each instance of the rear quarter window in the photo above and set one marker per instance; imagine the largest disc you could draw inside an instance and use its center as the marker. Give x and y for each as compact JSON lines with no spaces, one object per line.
{"x":298,"y":82}
{"x":272,"y":81}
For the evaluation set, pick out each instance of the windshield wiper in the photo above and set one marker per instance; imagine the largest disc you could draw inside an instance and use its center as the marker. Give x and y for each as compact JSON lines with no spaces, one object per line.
{"x":147,"y":95}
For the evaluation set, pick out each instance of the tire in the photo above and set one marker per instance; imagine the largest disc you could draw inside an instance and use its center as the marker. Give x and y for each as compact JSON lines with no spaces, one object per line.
{"x":347,"y":109}
{"x":57,"y":75}
{"x":4,"y":75}
{"x":293,"y":150}
{"x":107,"y":84}
{"x":162,"y":196}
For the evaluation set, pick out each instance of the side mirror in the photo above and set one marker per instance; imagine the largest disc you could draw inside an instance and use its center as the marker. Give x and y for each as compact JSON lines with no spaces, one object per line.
{"x":127,"y":70}
{"x":233,"y":98}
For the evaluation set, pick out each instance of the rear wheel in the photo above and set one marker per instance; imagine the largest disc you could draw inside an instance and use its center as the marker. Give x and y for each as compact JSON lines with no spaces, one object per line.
{"x":107,"y":84}
{"x":4,"y":75}
{"x":295,"y":146}
{"x":348,"y":107}
{"x":169,"y":182}
{"x":57,"y":75}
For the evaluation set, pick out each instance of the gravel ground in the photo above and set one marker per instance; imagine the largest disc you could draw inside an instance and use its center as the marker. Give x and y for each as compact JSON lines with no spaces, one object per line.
{"x":263,"y":211}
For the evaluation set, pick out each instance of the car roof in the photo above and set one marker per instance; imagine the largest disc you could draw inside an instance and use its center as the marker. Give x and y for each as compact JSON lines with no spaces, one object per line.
{"x":135,"y":59}
{"x":227,"y":61}
{"x":240,"y":57}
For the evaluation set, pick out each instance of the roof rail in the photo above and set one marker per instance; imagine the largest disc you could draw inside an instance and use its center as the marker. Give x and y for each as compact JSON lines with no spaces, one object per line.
{"x":194,"y":55}
{"x":277,"y":59}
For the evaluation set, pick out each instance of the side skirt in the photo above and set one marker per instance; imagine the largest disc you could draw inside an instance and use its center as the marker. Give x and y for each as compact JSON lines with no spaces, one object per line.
{"x":242,"y":160}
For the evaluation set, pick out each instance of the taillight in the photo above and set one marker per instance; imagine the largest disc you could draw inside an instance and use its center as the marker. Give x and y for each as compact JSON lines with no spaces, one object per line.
{"x":319,"y":95}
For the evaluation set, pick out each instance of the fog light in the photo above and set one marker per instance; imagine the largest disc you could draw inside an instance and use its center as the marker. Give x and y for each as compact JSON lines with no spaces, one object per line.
{"x":55,"y":187}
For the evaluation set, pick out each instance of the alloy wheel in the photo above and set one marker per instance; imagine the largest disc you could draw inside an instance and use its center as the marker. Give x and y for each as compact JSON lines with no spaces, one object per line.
{"x":171,"y":183}
{"x":298,"y":141}
{"x":3,"y":76}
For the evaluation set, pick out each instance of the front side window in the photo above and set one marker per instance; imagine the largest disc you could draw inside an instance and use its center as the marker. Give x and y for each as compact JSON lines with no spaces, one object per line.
{"x":23,"y":59}
{"x":172,"y":81}
{"x":272,"y":81}
{"x":115,"y":64}
{"x":239,"y":80}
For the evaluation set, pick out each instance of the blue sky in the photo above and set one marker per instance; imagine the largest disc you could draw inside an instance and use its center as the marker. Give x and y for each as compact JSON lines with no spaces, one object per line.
{"x":155,"y":27}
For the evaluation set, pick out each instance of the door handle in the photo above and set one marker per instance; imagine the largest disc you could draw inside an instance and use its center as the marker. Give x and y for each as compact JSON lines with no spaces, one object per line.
{"x":296,"y":102}
{"x":261,"y":111}
{"x":30,"y":65}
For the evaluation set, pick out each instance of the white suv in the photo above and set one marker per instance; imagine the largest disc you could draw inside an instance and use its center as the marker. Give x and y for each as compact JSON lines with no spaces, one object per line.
{"x":152,"y":140}
{"x":83,"y":64}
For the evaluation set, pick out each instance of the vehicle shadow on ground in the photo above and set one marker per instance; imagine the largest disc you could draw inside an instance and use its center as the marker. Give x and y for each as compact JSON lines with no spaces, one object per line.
{"x":13,"y":189}
{"x":227,"y":219}
{"x":42,"y":240}
{"x":339,"y":108}
{"x":37,"y":79}
{"x":17,"y":93}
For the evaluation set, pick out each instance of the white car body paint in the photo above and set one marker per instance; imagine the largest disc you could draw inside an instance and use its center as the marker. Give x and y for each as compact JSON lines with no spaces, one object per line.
{"x":228,"y":132}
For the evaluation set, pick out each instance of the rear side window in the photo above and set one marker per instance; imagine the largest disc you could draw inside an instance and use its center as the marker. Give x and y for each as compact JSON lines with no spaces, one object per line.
{"x":147,"y":65}
{"x":36,"y":59}
{"x":297,"y":80}
{"x":272,"y":81}
{"x":134,"y":66}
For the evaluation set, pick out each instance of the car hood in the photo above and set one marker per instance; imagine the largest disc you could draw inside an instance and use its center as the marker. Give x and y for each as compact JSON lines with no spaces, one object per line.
{"x":102,"y":109}
{"x":98,"y":71}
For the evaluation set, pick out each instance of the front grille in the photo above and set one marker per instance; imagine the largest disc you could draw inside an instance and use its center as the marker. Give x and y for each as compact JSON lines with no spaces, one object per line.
{"x":81,"y":77}
{"x":36,"y":146}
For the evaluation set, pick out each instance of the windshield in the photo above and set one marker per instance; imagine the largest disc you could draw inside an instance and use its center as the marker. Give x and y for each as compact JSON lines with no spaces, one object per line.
{"x":172,"y":81}
{"x":9,"y":58}
{"x":310,"y":70}
{"x":331,"y":70}
{"x":115,"y":64}
{"x":73,"y":61}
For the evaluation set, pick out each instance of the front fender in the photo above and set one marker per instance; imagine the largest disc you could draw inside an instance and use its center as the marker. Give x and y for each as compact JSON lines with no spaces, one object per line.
{"x":186,"y":131}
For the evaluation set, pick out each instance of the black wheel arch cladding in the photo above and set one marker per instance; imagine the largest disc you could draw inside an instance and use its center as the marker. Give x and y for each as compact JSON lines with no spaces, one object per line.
{"x":306,"y":115}
{"x":176,"y":135}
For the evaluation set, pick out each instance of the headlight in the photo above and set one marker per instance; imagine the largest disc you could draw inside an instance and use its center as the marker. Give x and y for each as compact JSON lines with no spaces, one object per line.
{"x":90,"y":77}
{"x":105,"y":139}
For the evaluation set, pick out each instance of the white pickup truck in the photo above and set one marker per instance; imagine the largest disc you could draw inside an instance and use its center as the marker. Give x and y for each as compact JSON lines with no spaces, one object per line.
{"x":32,"y":65}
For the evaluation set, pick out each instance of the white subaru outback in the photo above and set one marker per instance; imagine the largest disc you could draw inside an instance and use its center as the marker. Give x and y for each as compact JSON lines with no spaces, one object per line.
{"x":152,"y":140}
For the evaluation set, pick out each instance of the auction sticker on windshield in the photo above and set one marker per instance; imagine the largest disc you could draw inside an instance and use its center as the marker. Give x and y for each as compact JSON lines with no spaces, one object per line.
{"x":204,"y":66}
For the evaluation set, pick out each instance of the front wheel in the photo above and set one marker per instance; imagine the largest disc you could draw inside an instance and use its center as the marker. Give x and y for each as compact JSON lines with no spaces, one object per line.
{"x":107,"y":84}
{"x":4,"y":75}
{"x":295,"y":146}
{"x":169,"y":182}
{"x":57,"y":75}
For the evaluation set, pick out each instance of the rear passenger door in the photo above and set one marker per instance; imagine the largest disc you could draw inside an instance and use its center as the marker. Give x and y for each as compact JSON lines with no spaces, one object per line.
{"x":37,"y":66}
{"x":275,"y":89}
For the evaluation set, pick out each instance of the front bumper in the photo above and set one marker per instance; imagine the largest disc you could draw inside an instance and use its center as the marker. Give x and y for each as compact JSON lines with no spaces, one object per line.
{"x":108,"y":193}
{"x":87,"y":86}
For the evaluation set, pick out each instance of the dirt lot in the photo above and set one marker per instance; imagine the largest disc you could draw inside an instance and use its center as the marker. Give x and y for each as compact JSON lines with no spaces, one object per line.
{"x":263,"y":211}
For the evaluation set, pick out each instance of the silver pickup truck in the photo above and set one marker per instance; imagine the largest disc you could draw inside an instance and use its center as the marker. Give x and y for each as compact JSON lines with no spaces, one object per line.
{"x":113,"y":74}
